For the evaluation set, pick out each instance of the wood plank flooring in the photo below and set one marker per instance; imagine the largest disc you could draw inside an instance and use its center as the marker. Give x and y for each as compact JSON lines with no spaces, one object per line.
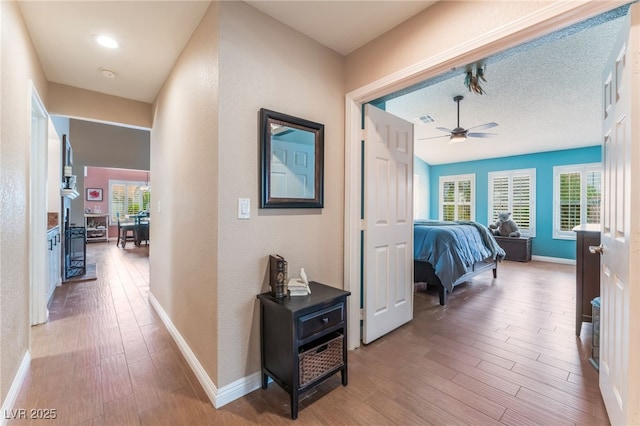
{"x":502,"y":352}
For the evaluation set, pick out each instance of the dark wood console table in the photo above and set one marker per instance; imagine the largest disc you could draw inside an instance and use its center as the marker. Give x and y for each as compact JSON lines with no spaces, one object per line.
{"x":303,"y":339}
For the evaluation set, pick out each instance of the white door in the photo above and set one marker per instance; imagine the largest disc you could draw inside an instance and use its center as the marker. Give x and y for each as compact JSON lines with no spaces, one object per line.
{"x":388,"y":223}
{"x":620,"y":260}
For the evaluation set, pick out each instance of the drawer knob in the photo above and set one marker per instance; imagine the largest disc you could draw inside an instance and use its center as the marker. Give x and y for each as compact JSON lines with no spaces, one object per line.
{"x":325,"y":320}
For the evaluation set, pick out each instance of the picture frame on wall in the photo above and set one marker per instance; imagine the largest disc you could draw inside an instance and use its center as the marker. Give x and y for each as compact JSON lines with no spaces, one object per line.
{"x":94,"y":194}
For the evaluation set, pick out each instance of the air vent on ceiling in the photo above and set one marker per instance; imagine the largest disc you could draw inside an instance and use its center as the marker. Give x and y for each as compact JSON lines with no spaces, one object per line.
{"x":426,"y":118}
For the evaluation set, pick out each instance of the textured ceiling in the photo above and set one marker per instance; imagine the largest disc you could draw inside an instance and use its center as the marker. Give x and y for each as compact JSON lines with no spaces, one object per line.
{"x":545,"y":96}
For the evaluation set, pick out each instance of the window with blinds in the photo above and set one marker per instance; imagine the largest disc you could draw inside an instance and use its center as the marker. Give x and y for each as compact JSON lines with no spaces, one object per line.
{"x":127,"y":197}
{"x":513,"y":191}
{"x":577,"y":194}
{"x":457,"y":197}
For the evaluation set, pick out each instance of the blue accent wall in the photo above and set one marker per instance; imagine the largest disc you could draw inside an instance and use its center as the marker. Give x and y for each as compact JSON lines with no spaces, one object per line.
{"x":421,"y":198}
{"x":543,"y":243}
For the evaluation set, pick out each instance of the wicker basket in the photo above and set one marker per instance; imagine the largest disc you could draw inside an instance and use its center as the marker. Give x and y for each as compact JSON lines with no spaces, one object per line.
{"x":321,"y":359}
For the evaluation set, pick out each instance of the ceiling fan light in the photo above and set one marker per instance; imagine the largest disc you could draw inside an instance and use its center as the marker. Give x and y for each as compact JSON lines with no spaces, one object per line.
{"x":458,"y":137}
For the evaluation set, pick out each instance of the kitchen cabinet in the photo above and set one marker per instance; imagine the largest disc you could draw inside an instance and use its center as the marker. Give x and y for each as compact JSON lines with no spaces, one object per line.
{"x":97,"y":225}
{"x":303,"y":339}
{"x":54,"y":251}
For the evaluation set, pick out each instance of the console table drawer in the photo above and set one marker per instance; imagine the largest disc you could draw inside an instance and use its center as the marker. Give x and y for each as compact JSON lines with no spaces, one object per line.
{"x":318,"y":321}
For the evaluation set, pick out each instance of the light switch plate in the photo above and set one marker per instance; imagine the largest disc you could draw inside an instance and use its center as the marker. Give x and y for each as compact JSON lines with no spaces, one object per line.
{"x":244,"y":208}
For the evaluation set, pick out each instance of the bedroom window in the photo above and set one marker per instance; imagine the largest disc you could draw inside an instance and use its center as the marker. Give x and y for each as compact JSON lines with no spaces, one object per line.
{"x":127,"y":197}
{"x":514,"y":191}
{"x":458,"y":197}
{"x":577,"y":193}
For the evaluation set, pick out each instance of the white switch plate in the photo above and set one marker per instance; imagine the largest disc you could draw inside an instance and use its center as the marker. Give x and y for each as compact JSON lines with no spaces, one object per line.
{"x":244,"y":208}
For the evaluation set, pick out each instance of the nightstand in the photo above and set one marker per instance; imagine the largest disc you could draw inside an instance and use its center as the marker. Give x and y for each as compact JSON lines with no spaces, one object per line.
{"x":303,"y":339}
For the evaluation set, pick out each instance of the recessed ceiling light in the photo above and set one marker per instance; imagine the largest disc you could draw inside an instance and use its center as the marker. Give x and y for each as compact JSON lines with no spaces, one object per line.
{"x":108,"y":73}
{"x":107,"y":41}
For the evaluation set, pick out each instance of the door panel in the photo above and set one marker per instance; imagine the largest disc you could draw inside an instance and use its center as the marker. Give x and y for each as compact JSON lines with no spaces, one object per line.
{"x":388,"y":236}
{"x":619,"y":289}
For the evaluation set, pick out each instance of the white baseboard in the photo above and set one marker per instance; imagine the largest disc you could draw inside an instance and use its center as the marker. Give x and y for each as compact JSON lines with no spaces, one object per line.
{"x":10,"y":400}
{"x":554,"y":260}
{"x":217,"y":396}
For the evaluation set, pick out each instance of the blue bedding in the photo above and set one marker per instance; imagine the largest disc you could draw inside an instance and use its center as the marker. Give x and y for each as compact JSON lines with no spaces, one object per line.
{"x":452,"y":248}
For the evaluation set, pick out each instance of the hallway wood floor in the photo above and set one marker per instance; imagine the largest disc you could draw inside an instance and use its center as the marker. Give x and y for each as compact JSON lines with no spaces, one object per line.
{"x":502,"y":352}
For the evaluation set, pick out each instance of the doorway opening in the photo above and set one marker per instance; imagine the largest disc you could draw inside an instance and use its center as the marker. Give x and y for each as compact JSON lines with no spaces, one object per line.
{"x":428,"y":69}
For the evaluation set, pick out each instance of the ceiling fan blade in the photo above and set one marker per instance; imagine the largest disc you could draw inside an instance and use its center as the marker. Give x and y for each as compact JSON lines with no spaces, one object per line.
{"x":433,"y":137}
{"x":484,"y":126}
{"x":444,"y":129}
{"x":481,"y":135}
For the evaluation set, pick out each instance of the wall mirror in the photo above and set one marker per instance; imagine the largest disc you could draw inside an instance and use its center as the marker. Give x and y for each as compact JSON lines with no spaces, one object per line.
{"x":292,"y":161}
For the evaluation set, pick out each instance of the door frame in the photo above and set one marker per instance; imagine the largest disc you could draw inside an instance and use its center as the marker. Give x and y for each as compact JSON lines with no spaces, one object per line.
{"x":37,"y":229}
{"x":546,"y":20}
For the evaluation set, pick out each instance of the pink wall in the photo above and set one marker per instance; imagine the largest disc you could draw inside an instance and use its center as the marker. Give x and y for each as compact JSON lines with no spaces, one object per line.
{"x":98,"y":177}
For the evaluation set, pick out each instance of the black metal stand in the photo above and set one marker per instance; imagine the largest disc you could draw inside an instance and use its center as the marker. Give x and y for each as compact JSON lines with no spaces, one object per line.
{"x":75,"y":255}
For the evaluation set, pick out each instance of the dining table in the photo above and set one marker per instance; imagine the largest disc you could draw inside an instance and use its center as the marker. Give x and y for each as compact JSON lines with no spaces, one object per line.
{"x":141,"y":227}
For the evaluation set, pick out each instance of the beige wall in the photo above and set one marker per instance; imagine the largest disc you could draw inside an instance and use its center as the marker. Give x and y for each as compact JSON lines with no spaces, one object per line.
{"x":266,"y":64}
{"x":18,"y":64}
{"x":184,"y":162}
{"x":80,"y":103}
{"x":206,"y":120}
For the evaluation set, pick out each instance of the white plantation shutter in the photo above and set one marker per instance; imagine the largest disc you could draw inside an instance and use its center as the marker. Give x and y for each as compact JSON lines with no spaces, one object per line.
{"x":117,"y":197}
{"x":457,"y":197}
{"x":464,"y":200}
{"x":594,"y":196}
{"x":512,"y":191}
{"x":448,"y":190}
{"x":577,"y":195}
{"x":127,"y":197}
{"x":521,"y":204}
{"x":500,"y":197}
{"x":569,"y":201}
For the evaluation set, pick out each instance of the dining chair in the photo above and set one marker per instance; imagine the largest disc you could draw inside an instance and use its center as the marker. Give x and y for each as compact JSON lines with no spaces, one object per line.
{"x":126,"y":231}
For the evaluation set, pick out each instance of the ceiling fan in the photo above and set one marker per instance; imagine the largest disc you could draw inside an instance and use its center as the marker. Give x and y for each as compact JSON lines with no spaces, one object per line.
{"x":459,"y":134}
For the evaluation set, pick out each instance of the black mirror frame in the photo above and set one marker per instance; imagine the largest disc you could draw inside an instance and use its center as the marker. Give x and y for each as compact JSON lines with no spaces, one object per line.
{"x":266,"y":201}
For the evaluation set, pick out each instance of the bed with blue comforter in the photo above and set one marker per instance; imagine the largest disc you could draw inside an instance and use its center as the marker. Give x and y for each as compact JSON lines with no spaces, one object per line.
{"x":449,"y":253}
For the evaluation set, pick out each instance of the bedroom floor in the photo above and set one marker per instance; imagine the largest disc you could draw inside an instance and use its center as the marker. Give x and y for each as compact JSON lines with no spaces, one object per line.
{"x":501,"y":352}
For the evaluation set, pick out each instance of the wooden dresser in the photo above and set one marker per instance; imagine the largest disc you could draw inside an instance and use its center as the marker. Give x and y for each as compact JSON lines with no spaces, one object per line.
{"x":587,"y":272}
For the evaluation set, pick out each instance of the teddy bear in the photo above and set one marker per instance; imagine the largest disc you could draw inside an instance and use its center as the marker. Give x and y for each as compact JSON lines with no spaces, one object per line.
{"x":505,"y":226}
